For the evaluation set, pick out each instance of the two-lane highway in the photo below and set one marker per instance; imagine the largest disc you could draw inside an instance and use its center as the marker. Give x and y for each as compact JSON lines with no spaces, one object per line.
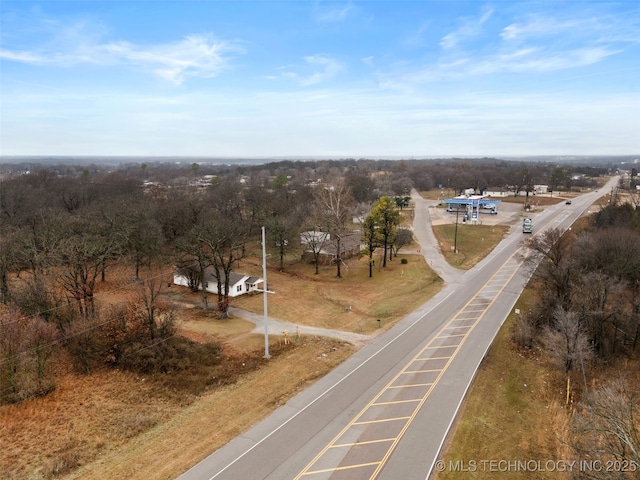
{"x":386,"y":411}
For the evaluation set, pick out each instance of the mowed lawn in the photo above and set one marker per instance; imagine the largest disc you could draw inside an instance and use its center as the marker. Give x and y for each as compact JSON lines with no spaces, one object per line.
{"x":353,"y":302}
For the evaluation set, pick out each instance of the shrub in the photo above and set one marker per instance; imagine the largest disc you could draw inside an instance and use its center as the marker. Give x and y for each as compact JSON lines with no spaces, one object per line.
{"x":26,"y":348}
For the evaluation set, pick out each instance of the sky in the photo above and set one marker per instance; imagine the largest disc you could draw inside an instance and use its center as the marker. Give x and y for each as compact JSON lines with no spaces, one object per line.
{"x":369,"y":78}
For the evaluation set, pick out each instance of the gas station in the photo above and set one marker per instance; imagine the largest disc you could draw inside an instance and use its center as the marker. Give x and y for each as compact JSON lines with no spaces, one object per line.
{"x":473,"y":206}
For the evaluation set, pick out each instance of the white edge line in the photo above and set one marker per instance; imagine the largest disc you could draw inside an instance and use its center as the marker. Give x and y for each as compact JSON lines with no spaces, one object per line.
{"x":327,"y":390}
{"x":455,"y":414}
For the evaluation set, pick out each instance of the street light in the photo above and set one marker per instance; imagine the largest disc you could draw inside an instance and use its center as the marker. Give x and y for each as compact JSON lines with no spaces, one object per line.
{"x":264,"y":293}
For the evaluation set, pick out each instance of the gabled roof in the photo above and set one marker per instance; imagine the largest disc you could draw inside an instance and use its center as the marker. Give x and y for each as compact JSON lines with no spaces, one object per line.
{"x":234,"y":278}
{"x":348,"y":242}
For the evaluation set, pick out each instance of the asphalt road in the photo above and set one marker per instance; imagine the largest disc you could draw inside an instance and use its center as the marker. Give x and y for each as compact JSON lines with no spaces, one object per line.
{"x":386,"y":411}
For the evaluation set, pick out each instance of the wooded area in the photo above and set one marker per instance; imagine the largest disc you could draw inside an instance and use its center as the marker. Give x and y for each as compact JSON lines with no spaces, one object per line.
{"x":64,"y":228}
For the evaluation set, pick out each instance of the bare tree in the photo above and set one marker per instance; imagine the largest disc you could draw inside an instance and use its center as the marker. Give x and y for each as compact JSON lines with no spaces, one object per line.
{"x":607,"y":429}
{"x":26,"y":348}
{"x":149,"y":295}
{"x":194,"y":257}
{"x":81,"y":256}
{"x":552,"y":263}
{"x":403,"y":237}
{"x":226,"y":244}
{"x":567,"y":342}
{"x":314,"y":241}
{"x":8,"y":261}
{"x":592,"y":299}
{"x":334,"y":206}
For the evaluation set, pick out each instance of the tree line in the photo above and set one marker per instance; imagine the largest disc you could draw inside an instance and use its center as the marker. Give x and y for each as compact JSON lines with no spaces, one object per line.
{"x":587,"y":316}
{"x":63,"y":230}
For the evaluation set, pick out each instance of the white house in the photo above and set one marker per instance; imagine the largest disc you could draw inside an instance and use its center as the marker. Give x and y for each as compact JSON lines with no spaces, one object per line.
{"x":239,"y":283}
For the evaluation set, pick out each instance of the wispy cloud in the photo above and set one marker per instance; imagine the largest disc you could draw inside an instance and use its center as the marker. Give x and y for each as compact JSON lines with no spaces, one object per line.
{"x":334,"y":14}
{"x":536,"y":60}
{"x":536,"y":26}
{"x":194,"y":56}
{"x":526,"y":60}
{"x":200,"y":55}
{"x":471,"y":27}
{"x":325,"y":68}
{"x":534,"y":44}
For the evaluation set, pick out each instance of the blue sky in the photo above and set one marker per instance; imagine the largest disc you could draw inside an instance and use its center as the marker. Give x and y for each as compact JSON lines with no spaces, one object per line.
{"x":314,"y":78}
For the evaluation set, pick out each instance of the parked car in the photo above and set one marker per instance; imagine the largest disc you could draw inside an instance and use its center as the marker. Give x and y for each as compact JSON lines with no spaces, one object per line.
{"x":568,"y":202}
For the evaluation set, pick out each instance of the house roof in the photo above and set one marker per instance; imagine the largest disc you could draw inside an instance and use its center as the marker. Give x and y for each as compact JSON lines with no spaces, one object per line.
{"x":348,"y":242}
{"x":234,"y":278}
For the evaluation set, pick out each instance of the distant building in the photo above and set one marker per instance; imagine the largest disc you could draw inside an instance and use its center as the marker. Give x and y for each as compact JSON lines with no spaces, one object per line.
{"x":350,"y":246}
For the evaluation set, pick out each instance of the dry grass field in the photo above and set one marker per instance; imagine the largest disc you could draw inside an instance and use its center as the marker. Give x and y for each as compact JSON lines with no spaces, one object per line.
{"x":113,"y":424}
{"x":320,"y":300}
{"x":474,"y":242}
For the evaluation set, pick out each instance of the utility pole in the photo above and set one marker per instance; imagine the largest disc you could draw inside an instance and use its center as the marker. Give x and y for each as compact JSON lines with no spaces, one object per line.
{"x":455,"y":236}
{"x":264,"y":293}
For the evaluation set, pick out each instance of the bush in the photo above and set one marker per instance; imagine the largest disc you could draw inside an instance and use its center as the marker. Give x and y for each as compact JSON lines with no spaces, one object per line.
{"x":26,"y":348}
{"x":169,"y":355}
{"x":404,"y":261}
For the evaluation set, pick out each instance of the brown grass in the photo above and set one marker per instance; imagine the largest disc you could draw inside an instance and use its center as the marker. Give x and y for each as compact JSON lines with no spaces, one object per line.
{"x":171,"y":447}
{"x":320,"y":300}
{"x":516,"y":408}
{"x":514,"y":411}
{"x":474,"y":242}
{"x":113,"y":424}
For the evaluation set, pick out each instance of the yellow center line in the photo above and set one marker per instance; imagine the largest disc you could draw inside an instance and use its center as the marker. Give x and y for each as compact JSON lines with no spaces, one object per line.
{"x":380,"y":420}
{"x":428,"y":346}
{"x":411,"y":385}
{"x":394,"y":402}
{"x":347,"y":467}
{"x":382,"y":440}
{"x":430,"y":358}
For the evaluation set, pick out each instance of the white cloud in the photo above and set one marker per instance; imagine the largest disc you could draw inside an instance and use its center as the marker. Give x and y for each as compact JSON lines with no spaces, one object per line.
{"x":329,"y":68}
{"x":24,"y":57}
{"x":334,"y":14}
{"x":368,"y":60}
{"x":194,"y":56}
{"x":470,"y":28}
{"x":538,"y":26}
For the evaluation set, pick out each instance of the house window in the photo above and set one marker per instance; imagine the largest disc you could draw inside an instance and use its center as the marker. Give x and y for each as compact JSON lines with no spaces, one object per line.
{"x":238,"y":288}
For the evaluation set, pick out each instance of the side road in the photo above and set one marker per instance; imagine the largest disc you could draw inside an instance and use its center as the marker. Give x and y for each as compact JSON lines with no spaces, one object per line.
{"x":278,"y":327}
{"x":429,"y":248}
